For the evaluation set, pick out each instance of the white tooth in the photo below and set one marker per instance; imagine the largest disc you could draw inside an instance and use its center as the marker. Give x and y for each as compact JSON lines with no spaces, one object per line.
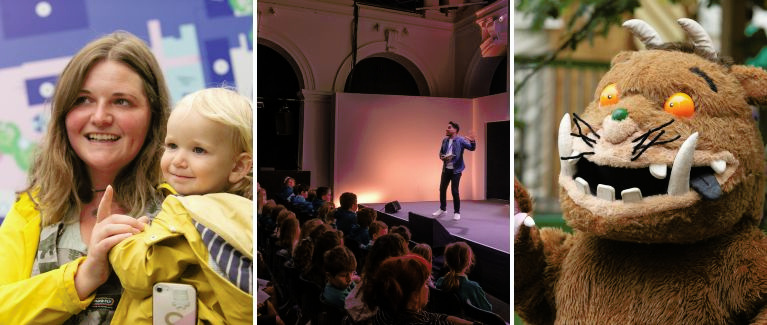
{"x":718,"y":166}
{"x":606,"y":192}
{"x":583,"y":185}
{"x":679,"y":183}
{"x":658,"y":171}
{"x":631,"y":195}
{"x":565,"y":143}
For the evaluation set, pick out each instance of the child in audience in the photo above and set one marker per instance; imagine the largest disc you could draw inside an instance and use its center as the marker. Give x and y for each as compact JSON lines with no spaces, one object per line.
{"x":384,"y":247}
{"x":339,"y":271}
{"x":377,"y":229}
{"x":300,"y":204}
{"x":323,"y":194}
{"x":346,"y":215}
{"x":326,"y":213}
{"x":360,"y":232}
{"x":284,"y":214}
{"x":260,"y":201}
{"x":424,"y":250}
{"x":458,"y":259}
{"x":203,"y":235}
{"x":309,"y":226}
{"x":325,"y":242}
{"x":286,"y":192}
{"x":290,"y":234}
{"x":264,"y":219}
{"x":302,"y":254}
{"x":404,"y":232}
{"x":399,"y":293}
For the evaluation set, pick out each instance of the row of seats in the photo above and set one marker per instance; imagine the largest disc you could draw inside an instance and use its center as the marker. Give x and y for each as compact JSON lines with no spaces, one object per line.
{"x":449,"y":303}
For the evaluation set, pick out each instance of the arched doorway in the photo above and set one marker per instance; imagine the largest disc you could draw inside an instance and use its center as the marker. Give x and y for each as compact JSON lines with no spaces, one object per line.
{"x":500,"y":82}
{"x":278,"y":111}
{"x":381,"y":75}
{"x":486,"y":76}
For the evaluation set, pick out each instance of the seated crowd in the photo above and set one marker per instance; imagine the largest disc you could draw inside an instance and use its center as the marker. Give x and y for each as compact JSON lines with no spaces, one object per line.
{"x":311,"y":252}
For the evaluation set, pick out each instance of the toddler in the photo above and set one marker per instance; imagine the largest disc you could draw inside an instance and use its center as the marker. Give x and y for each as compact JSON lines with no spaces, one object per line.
{"x":203,"y":234}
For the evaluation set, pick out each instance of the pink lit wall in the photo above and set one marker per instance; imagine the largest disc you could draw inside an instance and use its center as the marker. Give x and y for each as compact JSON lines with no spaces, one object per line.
{"x":492,"y":108}
{"x":386,"y":147}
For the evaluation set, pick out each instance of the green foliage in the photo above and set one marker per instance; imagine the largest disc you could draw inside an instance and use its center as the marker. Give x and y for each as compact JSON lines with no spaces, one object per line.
{"x":589,"y":18}
{"x":585,"y":20}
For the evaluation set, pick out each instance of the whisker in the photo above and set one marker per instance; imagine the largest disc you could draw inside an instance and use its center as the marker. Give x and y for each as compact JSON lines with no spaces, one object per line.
{"x":648,"y":145}
{"x":585,"y":139}
{"x":662,"y":126}
{"x":578,"y":118}
{"x":642,"y":137}
{"x":589,"y":141}
{"x":580,"y":155}
{"x":645,"y":135}
{"x":667,"y":141}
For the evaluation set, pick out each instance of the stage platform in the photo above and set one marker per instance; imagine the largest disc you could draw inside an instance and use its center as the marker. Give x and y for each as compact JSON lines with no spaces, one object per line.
{"x":483,"y":222}
{"x":484,"y":225}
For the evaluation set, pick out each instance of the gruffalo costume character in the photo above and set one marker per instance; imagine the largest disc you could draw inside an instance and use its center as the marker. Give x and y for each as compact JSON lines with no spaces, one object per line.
{"x":662,"y":180}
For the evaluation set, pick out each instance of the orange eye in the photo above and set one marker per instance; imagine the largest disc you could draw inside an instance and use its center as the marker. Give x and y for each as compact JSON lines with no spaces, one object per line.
{"x":680,"y":104}
{"x":609,"y":95}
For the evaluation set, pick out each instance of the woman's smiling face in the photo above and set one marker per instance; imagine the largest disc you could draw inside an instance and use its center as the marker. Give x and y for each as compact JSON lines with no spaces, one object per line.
{"x":108,"y":123}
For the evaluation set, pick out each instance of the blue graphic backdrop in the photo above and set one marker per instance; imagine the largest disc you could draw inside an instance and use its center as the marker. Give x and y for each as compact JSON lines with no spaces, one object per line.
{"x":199,"y":43}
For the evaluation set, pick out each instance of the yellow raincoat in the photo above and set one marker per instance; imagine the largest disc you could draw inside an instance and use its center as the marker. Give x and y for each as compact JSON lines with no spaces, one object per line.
{"x":48,"y":298}
{"x":171,"y":250}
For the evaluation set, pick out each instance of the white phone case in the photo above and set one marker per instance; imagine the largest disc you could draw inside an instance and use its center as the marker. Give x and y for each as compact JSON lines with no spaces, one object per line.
{"x":174,"y":304}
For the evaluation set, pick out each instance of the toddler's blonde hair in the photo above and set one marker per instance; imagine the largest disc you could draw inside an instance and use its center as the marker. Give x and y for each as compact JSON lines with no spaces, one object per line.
{"x":233,"y":111}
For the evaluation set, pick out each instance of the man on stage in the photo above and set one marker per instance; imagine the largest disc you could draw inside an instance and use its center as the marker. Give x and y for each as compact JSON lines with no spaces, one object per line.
{"x":451,"y":154}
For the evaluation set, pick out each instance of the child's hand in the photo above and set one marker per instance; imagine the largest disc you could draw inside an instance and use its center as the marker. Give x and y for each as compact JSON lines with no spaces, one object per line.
{"x":144,"y":219}
{"x":356,"y":278}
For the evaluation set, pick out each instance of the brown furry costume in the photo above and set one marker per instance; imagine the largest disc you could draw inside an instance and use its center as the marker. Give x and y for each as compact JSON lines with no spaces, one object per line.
{"x":665,"y":233}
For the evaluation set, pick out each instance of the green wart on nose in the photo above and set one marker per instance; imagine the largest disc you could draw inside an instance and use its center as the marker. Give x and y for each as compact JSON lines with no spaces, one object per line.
{"x":619,"y":114}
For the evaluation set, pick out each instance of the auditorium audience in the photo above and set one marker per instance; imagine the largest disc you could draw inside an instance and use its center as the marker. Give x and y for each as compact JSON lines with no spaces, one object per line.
{"x":398,"y":284}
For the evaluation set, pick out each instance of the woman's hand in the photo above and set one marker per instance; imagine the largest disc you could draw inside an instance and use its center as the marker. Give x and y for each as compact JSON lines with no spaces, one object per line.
{"x":109,"y":230}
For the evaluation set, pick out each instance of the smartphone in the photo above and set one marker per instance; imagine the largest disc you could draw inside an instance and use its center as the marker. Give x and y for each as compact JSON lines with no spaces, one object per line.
{"x":174,"y":304}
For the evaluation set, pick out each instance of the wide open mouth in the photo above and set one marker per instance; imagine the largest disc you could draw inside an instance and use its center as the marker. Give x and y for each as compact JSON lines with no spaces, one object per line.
{"x":613,"y":183}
